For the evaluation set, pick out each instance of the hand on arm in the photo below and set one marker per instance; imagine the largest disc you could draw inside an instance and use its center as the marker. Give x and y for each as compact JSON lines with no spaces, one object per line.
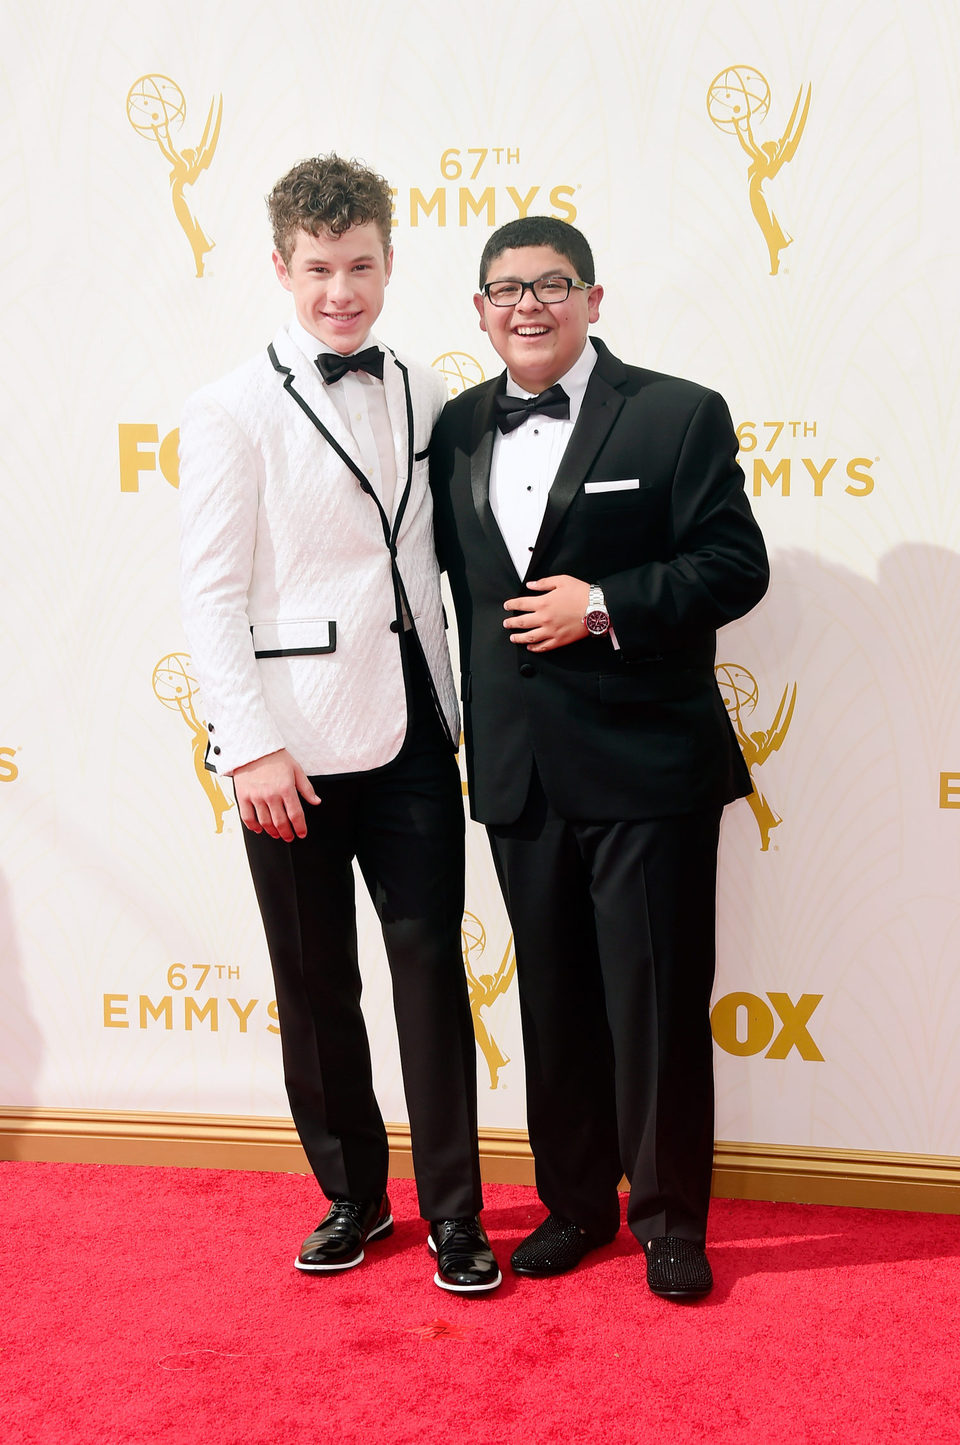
{"x":268,"y":792}
{"x":554,"y":619}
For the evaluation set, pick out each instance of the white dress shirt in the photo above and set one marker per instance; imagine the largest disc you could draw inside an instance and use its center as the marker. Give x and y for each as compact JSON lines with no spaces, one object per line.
{"x":362,"y":405}
{"x":525,"y":462}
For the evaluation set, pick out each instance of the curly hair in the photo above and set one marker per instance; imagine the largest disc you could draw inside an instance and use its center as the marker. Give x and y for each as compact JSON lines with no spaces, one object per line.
{"x":328,"y":193}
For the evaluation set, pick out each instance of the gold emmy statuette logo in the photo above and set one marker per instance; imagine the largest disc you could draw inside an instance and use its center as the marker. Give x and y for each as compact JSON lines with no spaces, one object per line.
{"x":740,"y":694}
{"x":738,"y":99}
{"x":483,"y":988}
{"x":176,"y":689}
{"x":155,"y":107}
{"x":459,"y":371}
{"x":462,"y":760}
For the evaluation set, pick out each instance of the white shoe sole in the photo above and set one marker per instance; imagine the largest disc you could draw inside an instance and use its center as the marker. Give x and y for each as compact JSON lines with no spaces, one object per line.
{"x":467,"y":1288}
{"x":381,"y":1228}
{"x":460,"y":1288}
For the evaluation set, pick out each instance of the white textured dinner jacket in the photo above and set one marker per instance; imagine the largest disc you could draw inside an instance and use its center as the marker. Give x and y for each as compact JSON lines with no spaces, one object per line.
{"x":277,"y":529}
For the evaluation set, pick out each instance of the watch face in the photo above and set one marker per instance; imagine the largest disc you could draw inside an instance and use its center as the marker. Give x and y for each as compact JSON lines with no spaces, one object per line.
{"x":597,"y":621}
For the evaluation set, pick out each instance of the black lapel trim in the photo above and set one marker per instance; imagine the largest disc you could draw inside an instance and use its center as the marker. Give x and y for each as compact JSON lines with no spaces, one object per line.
{"x":481,"y":456}
{"x":329,"y":646}
{"x":405,"y":608}
{"x":601,"y":406}
{"x":405,"y":495}
{"x":305,"y":407}
{"x":400,"y":592}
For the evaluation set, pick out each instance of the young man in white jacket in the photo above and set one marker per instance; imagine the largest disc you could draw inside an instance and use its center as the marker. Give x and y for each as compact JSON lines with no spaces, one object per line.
{"x":311,"y":602}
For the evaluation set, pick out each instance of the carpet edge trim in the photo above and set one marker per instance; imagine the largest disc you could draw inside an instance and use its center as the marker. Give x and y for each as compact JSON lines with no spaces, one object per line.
{"x":773,"y":1172}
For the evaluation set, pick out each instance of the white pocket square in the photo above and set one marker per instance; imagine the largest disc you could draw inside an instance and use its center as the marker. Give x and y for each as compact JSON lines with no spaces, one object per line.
{"x":627,"y":486}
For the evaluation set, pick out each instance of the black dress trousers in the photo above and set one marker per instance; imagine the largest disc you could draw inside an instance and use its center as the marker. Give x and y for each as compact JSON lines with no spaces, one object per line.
{"x":404,"y":825}
{"x":614,"y":924}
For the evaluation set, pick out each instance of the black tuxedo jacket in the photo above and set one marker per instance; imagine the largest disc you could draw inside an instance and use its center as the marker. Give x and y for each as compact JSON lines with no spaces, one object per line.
{"x":637,"y":733}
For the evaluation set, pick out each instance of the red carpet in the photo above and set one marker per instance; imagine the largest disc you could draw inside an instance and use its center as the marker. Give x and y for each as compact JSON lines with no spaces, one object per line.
{"x":160,"y":1305}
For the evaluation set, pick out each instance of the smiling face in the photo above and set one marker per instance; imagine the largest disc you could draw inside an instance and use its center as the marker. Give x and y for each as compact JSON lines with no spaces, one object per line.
{"x":538,"y":342}
{"x":337,"y":283}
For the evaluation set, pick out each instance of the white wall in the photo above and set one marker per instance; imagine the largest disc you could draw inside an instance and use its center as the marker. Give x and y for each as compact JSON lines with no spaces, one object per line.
{"x":111,"y":869}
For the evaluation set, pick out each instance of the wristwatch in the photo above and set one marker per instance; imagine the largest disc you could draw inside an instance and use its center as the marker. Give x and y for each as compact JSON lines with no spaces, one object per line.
{"x":596,"y":619}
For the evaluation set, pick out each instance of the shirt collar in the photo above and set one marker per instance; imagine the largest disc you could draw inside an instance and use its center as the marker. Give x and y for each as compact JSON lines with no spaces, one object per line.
{"x":574,"y":382}
{"x":312,"y":346}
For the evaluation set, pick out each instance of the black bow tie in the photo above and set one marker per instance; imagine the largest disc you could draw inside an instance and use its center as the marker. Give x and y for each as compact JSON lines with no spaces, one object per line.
{"x":332,"y":367}
{"x":512,"y":411}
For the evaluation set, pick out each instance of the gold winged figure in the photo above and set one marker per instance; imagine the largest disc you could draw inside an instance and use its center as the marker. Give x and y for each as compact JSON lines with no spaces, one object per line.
{"x":155,"y":104}
{"x":484,"y":988}
{"x":736,"y":98}
{"x":174,"y":686}
{"x":187,"y":167}
{"x":740,"y":693}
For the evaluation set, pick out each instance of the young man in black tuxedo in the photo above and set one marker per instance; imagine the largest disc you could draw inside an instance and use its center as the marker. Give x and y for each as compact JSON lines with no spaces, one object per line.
{"x":592,"y":519}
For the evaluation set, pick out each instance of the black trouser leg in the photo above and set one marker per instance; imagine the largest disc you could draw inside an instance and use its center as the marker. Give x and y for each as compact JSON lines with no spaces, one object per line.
{"x":567,"y":1048}
{"x":404,"y":824}
{"x":411,"y":853}
{"x":654,"y":895}
{"x":306,"y":894}
{"x":614,"y":928}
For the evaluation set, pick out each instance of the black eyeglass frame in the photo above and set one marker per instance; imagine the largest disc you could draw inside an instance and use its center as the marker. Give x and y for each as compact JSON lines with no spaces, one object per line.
{"x":531,"y":286}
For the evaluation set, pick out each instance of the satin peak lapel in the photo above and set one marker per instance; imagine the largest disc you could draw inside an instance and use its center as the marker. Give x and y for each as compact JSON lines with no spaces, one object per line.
{"x":306,"y":388}
{"x":396,"y":387}
{"x":601,"y":407}
{"x":481,"y":456}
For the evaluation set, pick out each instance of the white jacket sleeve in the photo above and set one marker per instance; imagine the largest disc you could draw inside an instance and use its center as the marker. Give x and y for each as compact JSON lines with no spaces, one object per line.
{"x":220,"y":477}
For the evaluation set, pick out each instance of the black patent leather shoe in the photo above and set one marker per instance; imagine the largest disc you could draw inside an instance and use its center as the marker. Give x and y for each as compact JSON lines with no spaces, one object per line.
{"x":338,"y":1240}
{"x":678,"y":1269}
{"x":555,"y":1246}
{"x":465,"y":1261}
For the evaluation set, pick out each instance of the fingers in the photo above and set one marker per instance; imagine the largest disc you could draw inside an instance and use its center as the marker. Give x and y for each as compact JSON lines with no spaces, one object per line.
{"x":527,"y":604}
{"x":554,"y":619}
{"x":306,"y":790}
{"x":279,"y":815}
{"x":545,"y":644}
{"x":539,"y":640}
{"x":288,"y":819}
{"x":248,"y":814}
{"x":268,"y":796}
{"x":541,"y":631}
{"x":304,"y":786}
{"x":537,"y":633}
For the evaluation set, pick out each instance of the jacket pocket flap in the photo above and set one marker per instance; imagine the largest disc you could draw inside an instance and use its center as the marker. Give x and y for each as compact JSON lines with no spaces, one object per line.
{"x":655,"y":684}
{"x":294,"y":637}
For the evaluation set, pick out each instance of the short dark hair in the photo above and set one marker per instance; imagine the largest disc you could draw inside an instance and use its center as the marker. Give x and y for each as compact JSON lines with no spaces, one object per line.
{"x":328,"y":193}
{"x":565,"y":239}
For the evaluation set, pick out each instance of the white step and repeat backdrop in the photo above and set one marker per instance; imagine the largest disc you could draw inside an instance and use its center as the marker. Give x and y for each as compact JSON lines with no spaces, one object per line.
{"x":771,"y":192}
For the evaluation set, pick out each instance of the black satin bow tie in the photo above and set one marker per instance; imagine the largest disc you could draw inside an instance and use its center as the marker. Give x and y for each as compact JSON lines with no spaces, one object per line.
{"x":512,"y":411}
{"x":332,"y":367}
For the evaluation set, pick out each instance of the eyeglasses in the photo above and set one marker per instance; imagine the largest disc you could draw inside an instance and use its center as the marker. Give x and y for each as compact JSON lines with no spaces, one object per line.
{"x":548,"y":290}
